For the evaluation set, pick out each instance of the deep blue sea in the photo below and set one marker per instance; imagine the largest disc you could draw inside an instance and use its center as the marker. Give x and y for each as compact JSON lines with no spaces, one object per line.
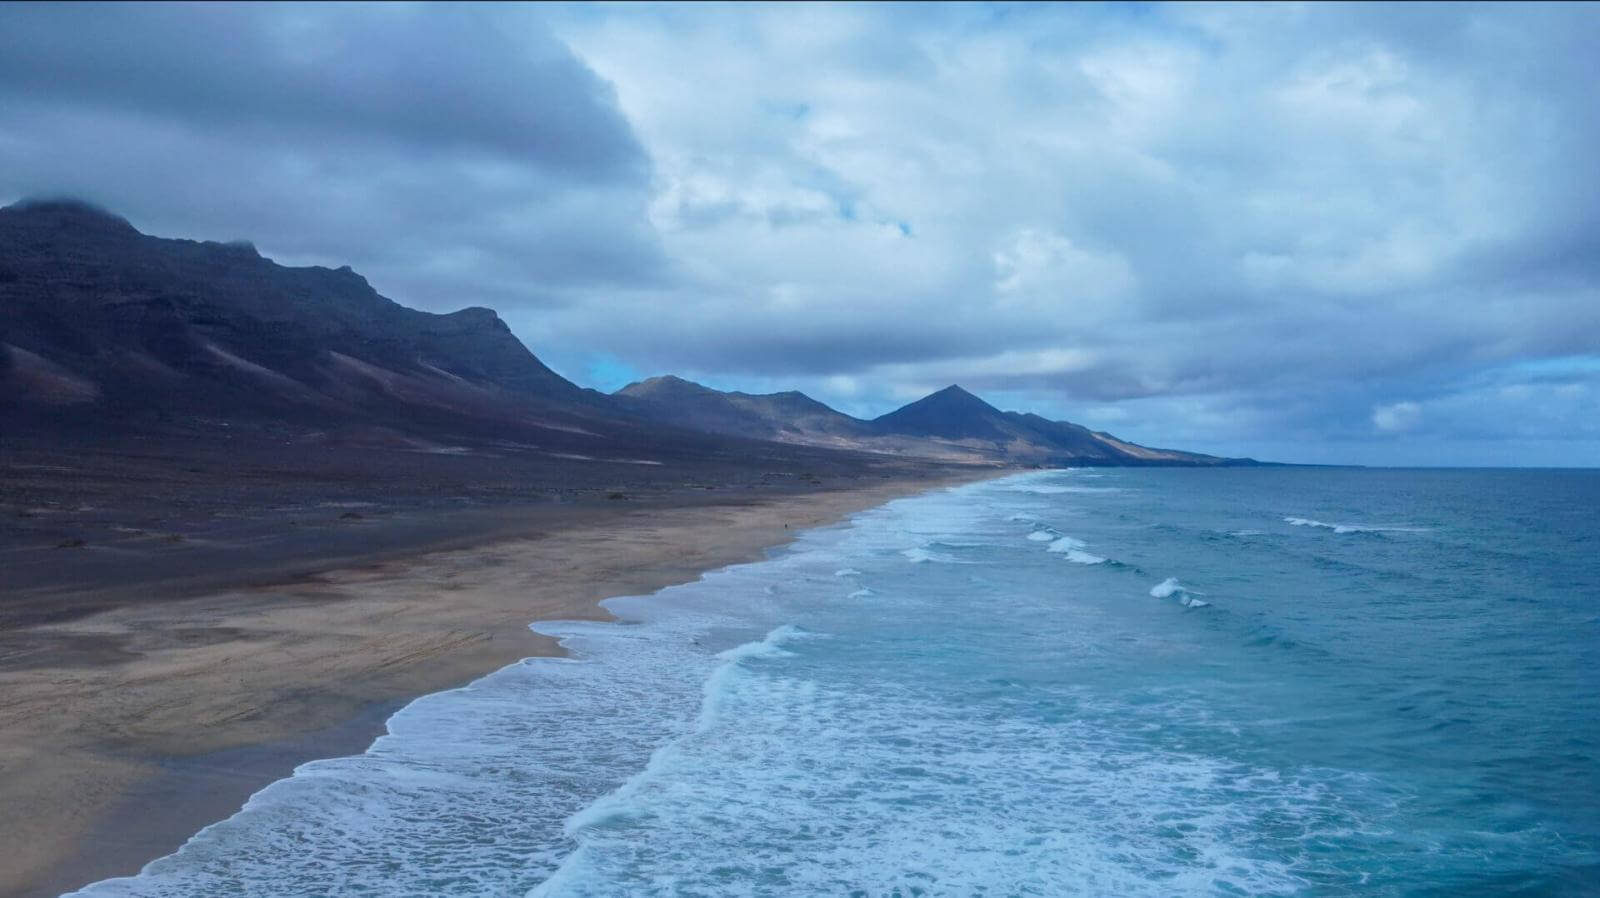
{"x":1273,"y":681}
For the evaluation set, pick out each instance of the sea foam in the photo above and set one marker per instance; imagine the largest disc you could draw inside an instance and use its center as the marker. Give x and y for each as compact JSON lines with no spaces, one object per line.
{"x":1055,"y":490}
{"x":1171,"y":588}
{"x":1165,"y":588}
{"x":1354,"y":528}
{"x":923,"y":555}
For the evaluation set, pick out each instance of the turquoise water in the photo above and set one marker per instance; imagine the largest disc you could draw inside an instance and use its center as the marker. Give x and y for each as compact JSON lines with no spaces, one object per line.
{"x":1114,"y":682}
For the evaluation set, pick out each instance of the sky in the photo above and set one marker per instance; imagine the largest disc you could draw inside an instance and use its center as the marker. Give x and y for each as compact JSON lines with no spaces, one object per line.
{"x":1310,"y":233}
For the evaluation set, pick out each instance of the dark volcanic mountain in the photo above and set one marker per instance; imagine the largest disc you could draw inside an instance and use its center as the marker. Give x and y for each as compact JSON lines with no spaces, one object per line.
{"x":97,"y":319}
{"x":950,"y":414}
{"x":954,"y":415}
{"x":108,"y":330}
{"x":790,"y":416}
{"x":950,"y":424}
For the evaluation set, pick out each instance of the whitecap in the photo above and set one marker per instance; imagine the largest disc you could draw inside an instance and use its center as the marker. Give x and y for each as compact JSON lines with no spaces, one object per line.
{"x":1041,"y":536}
{"x":770,"y":647}
{"x":1166,"y":588}
{"x":1079,"y":557}
{"x":1355,"y":528}
{"x":1171,"y":588}
{"x":620,"y":804}
{"x":1066,"y":544}
{"x":923,"y":556}
{"x":1049,"y":490}
{"x":847,"y":572}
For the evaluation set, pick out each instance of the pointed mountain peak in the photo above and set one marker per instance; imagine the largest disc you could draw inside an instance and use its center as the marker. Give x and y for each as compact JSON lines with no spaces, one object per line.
{"x":952,"y":413}
{"x":953,"y":397}
{"x":665,"y":383}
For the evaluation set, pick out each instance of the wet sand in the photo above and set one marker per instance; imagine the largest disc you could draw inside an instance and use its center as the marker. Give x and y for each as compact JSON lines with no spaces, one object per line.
{"x":130,"y":724}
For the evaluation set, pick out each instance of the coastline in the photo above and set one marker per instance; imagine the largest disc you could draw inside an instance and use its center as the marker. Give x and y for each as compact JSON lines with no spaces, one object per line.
{"x":181,"y":709}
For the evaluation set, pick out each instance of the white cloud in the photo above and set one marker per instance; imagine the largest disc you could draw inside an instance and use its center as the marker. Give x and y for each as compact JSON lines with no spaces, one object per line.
{"x":1049,"y":269}
{"x":1202,"y":201}
{"x":1397,"y":417}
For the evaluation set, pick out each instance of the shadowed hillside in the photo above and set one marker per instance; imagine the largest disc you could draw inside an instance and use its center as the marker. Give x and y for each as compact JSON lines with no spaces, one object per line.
{"x":774,"y":416}
{"x":950,"y":424}
{"x":105,"y":330}
{"x":97,"y":318}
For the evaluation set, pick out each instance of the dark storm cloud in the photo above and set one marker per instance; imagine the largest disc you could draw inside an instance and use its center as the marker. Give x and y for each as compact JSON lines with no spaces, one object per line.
{"x":455,"y":155}
{"x":446,"y":76}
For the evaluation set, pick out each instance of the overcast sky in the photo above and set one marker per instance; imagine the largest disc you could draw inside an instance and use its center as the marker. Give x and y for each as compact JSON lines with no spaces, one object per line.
{"x":1306,"y":233}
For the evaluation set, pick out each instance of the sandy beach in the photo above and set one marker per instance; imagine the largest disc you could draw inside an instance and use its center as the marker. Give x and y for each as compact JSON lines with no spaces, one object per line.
{"x":124,"y":731}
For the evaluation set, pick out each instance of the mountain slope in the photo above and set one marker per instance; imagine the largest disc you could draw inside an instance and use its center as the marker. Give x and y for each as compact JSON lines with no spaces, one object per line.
{"x":951,"y":413}
{"x":950,"y":424}
{"x":789,"y":416}
{"x":955,"y":415}
{"x":95,"y":315}
{"x":107,"y":329}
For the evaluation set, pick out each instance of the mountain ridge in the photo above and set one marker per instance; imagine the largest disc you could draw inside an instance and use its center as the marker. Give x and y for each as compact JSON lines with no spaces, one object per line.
{"x":948,"y":423}
{"x":110,"y":327}
{"x":118,"y":316}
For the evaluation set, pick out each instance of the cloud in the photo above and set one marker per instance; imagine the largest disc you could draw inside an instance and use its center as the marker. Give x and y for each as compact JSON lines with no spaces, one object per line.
{"x":1258,"y":219}
{"x":1397,"y":417}
{"x":429,"y":76}
{"x":1233,"y":224}
{"x":455,"y":155}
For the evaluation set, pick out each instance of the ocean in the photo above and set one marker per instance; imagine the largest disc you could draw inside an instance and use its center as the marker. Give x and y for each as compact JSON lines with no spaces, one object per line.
{"x":1112,"y":682}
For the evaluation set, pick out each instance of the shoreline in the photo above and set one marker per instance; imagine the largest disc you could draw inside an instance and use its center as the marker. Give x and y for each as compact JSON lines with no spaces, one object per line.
{"x":194,"y":704}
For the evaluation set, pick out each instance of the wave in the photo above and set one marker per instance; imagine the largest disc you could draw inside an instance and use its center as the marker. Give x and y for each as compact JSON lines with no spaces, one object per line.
{"x":1049,"y":490}
{"x":1070,"y":547}
{"x":847,"y":572}
{"x":861,"y":593}
{"x":1355,"y":528}
{"x":1066,"y":544}
{"x":770,"y":647}
{"x":1044,"y":535}
{"x":921,"y":555}
{"x":1171,"y":588}
{"x":1166,"y":588}
{"x":620,"y":803}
